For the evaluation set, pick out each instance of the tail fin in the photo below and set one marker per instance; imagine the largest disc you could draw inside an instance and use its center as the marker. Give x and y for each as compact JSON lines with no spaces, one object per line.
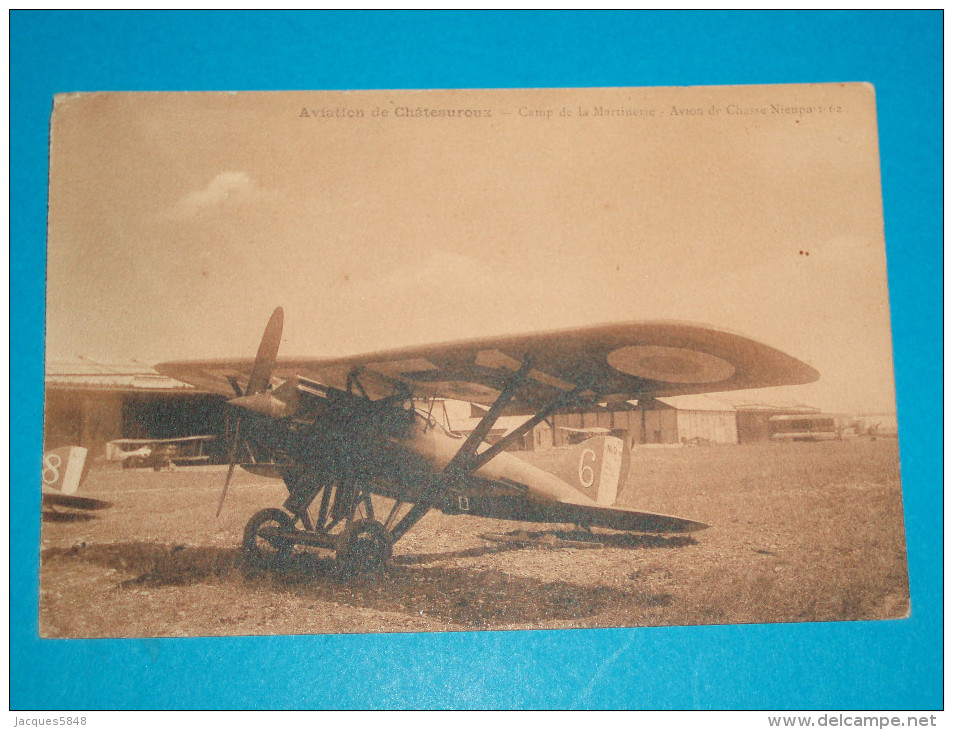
{"x":63,"y":468}
{"x":597,"y":467}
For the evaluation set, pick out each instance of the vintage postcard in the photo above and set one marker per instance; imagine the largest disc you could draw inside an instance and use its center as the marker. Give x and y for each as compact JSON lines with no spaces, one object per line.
{"x":396,"y":361}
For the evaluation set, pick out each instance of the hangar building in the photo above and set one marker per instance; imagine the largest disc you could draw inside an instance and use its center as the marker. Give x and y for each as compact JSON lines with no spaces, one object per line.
{"x":686,"y":419}
{"x":689,"y":419}
{"x":755,"y":419}
{"x":90,"y":403}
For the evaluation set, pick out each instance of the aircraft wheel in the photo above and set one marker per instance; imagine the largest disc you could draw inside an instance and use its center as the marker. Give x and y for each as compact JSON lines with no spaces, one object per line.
{"x":363,"y":547}
{"x":267,"y":551}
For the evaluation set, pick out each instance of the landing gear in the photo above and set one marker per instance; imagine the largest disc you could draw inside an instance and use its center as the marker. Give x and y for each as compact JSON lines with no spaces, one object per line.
{"x":364,"y":546}
{"x":342,"y":521}
{"x":266,"y":544}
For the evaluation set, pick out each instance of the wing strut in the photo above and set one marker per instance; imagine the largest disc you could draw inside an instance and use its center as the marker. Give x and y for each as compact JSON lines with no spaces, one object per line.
{"x":563,"y":401}
{"x":458,"y":464}
{"x":467,"y":460}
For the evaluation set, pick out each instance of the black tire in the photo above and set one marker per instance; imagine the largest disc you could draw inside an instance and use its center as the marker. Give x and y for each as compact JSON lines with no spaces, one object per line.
{"x":363,"y":547}
{"x":267,"y":552}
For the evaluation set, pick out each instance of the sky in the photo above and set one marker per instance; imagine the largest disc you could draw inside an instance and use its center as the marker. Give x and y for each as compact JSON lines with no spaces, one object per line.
{"x":178,"y":221}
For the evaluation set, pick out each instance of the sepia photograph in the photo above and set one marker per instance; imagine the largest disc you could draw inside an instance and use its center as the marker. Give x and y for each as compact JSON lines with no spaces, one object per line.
{"x":341,"y":362}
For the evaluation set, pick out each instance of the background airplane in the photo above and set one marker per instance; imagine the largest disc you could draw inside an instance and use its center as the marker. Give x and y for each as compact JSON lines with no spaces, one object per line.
{"x":341,"y":430}
{"x":577,"y":435}
{"x":159,"y":453}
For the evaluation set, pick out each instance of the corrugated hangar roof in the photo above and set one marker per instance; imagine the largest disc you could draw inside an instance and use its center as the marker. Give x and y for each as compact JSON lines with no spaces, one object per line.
{"x":82,"y":373}
{"x":788,"y":406}
{"x":698,"y":403}
{"x":721,"y":403}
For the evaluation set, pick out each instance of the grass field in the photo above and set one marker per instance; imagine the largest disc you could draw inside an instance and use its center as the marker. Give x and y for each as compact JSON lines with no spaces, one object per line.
{"x":799,"y":532}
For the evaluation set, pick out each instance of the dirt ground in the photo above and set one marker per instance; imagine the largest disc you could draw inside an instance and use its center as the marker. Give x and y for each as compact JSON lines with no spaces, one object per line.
{"x":799,"y":532}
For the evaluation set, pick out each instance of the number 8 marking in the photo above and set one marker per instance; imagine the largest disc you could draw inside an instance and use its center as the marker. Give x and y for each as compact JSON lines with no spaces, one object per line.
{"x":51,"y":468}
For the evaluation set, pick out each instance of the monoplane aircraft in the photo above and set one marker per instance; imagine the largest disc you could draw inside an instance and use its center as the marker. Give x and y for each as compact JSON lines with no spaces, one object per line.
{"x":338,"y":431}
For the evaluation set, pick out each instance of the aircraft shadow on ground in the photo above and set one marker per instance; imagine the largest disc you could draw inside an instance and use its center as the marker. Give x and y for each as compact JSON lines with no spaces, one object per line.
{"x":49,"y":516}
{"x":414,"y":585}
{"x":549,"y":540}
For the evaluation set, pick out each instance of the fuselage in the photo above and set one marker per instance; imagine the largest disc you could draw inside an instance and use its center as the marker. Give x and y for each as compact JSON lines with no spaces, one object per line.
{"x":399,"y":453}
{"x":403,"y":454}
{"x":437,"y":447}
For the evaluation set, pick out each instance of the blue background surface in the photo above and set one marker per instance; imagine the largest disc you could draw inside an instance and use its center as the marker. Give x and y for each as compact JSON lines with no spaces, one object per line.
{"x":858,"y":665}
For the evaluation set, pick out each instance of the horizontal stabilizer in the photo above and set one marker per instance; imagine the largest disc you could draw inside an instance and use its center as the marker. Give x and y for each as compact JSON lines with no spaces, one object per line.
{"x":524,"y":509}
{"x":52,"y":499}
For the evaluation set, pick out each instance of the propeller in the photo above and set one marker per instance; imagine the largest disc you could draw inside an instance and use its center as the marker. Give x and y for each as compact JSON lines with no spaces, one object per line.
{"x":257,"y":383}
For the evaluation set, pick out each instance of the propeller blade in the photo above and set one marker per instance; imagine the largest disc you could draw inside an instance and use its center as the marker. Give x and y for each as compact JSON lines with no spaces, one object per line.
{"x":232,"y":458}
{"x":257,"y":383}
{"x":267,"y":354}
